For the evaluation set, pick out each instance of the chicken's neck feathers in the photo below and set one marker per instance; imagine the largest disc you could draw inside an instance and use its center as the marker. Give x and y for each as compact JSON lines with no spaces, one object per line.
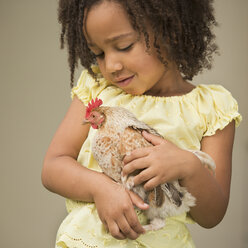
{"x":121,"y":118}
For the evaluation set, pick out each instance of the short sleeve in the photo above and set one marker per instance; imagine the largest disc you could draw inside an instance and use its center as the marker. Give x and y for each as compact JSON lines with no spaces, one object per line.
{"x":219,"y":108}
{"x":87,"y":87}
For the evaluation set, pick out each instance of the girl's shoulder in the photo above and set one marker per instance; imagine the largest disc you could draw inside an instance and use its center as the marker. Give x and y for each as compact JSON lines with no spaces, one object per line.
{"x":214,"y":97}
{"x":217,"y":106}
{"x":214,"y":90}
{"x":88,"y":87}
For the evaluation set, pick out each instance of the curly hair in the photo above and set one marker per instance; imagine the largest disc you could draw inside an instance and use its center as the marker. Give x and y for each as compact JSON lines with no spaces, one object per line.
{"x":182,"y":27}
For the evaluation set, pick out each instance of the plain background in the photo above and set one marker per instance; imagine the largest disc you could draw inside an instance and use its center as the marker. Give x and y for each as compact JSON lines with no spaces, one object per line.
{"x":35,"y":95}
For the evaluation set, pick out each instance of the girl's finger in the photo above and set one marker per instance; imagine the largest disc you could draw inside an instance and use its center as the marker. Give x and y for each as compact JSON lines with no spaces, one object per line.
{"x":135,"y":154}
{"x":115,"y":231}
{"x":143,"y":176}
{"x":126,"y":229}
{"x":155,"y":140}
{"x":137,"y":201}
{"x":151,"y":184}
{"x":133,"y":222}
{"x":137,"y":164}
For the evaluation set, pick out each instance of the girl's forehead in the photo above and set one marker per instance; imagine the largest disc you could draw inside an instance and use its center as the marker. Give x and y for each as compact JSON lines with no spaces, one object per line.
{"x":107,"y":19}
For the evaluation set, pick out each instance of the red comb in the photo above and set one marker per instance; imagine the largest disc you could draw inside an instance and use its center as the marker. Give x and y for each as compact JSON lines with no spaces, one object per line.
{"x":92,"y":105}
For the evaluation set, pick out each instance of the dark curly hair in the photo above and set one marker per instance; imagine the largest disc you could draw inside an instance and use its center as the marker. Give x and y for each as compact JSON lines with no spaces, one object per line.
{"x":182,"y":27}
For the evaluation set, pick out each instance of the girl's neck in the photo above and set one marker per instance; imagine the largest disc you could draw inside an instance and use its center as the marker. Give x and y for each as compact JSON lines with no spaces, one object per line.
{"x":172,"y":84}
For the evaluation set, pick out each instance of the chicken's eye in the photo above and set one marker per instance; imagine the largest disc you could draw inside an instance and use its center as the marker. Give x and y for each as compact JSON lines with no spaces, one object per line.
{"x":93,"y":115}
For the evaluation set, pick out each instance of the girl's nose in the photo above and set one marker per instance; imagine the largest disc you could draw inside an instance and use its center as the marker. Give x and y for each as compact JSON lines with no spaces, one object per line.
{"x":113,"y":64}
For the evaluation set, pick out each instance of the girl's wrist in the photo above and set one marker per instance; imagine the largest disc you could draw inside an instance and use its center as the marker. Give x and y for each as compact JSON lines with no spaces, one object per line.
{"x":101,"y":182}
{"x":190,"y":167}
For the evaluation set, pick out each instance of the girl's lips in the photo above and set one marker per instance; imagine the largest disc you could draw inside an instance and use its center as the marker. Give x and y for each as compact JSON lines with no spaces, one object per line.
{"x":124,"y":82}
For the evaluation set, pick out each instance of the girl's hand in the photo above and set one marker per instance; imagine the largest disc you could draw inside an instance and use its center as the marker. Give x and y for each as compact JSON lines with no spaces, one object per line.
{"x":160,"y":163}
{"x":115,"y":209}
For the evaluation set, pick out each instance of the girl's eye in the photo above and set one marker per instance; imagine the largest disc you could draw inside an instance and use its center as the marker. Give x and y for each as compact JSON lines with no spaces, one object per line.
{"x":126,"y":48}
{"x":101,"y":55}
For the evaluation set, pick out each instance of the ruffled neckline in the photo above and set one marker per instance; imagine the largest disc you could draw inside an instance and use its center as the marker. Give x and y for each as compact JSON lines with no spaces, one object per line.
{"x":190,"y":94}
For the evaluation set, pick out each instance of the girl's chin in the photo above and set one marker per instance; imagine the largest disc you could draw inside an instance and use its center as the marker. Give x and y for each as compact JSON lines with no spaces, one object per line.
{"x":132,"y":91}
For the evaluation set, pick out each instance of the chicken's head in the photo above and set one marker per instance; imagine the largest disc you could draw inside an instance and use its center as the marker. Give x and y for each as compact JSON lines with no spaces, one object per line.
{"x":94,"y":115}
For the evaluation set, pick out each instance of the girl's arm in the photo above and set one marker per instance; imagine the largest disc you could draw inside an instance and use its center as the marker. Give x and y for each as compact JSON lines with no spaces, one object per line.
{"x":63,"y":175}
{"x":212,"y":192}
{"x":165,"y":162}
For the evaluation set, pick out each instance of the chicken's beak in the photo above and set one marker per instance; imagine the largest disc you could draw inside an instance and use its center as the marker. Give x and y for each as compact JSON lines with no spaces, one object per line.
{"x":85,"y":122}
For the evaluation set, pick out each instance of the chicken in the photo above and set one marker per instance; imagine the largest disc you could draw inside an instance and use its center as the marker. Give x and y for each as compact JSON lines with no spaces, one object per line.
{"x":119,"y":133}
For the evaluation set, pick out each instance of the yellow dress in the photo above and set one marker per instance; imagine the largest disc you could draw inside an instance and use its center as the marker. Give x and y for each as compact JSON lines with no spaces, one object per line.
{"x":184,"y":120}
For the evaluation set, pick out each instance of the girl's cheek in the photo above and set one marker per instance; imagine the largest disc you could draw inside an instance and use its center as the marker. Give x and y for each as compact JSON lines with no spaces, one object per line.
{"x":101,"y":67}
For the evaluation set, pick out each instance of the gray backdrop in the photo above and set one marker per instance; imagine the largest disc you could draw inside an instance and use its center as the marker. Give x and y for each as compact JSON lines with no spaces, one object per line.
{"x":35,"y":95}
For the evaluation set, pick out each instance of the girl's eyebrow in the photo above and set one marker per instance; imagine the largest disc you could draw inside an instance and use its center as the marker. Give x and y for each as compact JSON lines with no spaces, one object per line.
{"x":109,"y":40}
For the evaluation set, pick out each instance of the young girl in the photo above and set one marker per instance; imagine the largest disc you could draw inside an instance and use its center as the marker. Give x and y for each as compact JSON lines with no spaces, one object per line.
{"x":140,"y":55}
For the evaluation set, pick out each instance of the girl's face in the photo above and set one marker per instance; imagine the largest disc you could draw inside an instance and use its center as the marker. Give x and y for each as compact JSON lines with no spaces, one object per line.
{"x":120,"y":52}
